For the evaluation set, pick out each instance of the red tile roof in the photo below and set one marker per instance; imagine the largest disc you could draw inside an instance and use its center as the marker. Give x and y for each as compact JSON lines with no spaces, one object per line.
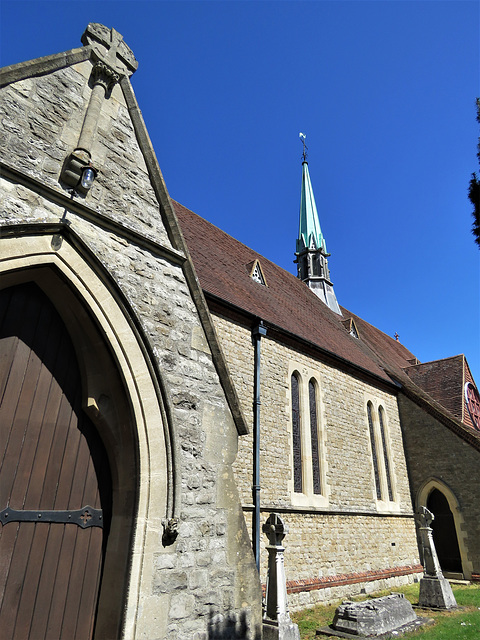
{"x":443,"y":380}
{"x":223,"y":266}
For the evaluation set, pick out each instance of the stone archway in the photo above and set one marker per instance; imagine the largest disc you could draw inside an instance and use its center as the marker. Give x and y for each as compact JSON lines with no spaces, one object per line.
{"x":122,"y":399}
{"x":449,"y":532}
{"x":444,"y":533}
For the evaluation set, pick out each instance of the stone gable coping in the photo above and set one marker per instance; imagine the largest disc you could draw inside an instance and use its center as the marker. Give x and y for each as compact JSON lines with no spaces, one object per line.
{"x":44,"y":65}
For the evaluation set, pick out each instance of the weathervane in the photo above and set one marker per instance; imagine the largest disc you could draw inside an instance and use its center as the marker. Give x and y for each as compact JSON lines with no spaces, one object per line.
{"x":302,"y":137}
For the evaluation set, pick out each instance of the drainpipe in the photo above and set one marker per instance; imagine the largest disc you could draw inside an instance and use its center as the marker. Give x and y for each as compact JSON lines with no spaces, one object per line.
{"x":257,"y":333}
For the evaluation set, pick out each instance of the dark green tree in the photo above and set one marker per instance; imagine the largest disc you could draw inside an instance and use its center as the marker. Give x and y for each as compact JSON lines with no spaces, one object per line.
{"x":474,"y":191}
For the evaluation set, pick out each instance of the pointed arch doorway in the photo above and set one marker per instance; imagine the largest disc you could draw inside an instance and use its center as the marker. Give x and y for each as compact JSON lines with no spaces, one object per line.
{"x":444,"y":533}
{"x":55,"y":480}
{"x":449,"y":534}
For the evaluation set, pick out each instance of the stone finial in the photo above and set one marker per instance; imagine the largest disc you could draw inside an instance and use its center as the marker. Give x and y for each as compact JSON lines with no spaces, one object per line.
{"x":275,"y":529}
{"x":108,"y":47}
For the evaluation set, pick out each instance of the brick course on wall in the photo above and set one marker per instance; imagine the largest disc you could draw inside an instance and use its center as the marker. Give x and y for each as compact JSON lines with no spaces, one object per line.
{"x":333,"y":556}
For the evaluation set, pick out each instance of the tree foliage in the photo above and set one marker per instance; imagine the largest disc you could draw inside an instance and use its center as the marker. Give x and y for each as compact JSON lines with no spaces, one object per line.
{"x":474,"y":191}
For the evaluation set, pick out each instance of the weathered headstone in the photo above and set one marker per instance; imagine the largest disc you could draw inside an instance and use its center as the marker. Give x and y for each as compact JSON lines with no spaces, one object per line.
{"x":277,"y":624}
{"x":435,"y":590}
{"x":374,"y":617}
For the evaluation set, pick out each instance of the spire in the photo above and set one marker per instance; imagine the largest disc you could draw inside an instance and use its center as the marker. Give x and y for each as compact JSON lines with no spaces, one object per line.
{"x":309,"y":233}
{"x":311,"y":254}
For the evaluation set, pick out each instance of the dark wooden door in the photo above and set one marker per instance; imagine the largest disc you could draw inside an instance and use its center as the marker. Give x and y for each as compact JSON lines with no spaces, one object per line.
{"x":51,"y":460}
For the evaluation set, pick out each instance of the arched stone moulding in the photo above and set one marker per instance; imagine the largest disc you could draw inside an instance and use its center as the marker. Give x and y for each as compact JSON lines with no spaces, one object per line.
{"x":422,"y":496}
{"x":29,"y":257}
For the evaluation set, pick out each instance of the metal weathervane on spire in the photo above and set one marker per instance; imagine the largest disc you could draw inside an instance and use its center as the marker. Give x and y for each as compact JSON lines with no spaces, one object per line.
{"x":311,"y":254}
{"x":303,"y":137}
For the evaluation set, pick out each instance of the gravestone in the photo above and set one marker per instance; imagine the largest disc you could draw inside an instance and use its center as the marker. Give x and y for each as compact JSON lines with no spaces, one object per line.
{"x":277,"y":624}
{"x":435,"y":590}
{"x":374,"y":617}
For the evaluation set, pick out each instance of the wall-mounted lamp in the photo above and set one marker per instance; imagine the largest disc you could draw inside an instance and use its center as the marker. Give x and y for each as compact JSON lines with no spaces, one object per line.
{"x":78,"y":172}
{"x":89,"y":174}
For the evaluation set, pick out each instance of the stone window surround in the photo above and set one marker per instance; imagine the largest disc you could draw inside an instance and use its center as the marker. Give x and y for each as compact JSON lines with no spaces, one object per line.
{"x":308,"y":498}
{"x":382,"y":505}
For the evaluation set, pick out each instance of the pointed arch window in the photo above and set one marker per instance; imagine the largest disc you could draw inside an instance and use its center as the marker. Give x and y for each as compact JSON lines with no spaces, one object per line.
{"x":308,"y":484}
{"x":386,"y":459}
{"x":373,"y":443}
{"x":312,"y":397}
{"x":296,"y":435}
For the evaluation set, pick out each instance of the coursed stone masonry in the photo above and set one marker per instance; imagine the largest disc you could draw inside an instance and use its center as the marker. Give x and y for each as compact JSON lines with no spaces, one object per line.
{"x":351,"y":532}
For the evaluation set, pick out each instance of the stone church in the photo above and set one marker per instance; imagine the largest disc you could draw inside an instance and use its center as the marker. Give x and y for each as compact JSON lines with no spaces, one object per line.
{"x":135,"y":338}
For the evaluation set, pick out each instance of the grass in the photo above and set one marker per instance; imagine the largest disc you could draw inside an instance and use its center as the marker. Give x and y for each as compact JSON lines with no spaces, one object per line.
{"x":463,"y":624}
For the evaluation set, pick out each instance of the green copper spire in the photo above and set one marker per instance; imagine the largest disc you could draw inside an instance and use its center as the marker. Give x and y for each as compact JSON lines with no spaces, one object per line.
{"x":309,"y":233}
{"x":311,"y":254}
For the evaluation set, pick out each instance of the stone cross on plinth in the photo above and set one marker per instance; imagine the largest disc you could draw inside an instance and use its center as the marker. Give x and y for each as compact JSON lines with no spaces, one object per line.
{"x":277,"y":624}
{"x":108,"y":47}
{"x":112,"y":60}
{"x":435,"y":590}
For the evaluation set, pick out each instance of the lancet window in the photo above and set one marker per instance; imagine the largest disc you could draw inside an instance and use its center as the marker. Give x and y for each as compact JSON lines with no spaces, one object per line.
{"x":312,"y":398}
{"x":385,"y":453}
{"x":373,"y":443}
{"x":309,"y":487}
{"x":382,"y":466}
{"x":296,"y":435}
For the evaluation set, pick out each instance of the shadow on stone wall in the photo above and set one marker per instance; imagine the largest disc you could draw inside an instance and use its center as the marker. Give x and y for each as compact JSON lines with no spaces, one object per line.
{"x":233,"y":626}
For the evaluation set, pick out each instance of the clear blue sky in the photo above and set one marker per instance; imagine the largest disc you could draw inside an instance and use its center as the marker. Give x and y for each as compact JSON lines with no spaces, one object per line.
{"x":385,"y":91}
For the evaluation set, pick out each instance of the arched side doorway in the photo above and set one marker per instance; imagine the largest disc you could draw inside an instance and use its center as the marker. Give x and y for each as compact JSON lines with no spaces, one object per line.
{"x":444,"y":534}
{"x":448,"y":531}
{"x":122,"y":397}
{"x":55,"y":484}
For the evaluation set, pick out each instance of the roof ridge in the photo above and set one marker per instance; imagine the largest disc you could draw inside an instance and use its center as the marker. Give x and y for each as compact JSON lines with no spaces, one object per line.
{"x":419,"y":364}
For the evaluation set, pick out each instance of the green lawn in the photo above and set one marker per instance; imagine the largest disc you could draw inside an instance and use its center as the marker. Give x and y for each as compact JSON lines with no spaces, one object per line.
{"x":463,"y":624}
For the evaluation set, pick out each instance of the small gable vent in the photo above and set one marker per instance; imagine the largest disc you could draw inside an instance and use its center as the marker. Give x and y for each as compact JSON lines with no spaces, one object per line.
{"x":256,"y":273}
{"x":351,"y":327}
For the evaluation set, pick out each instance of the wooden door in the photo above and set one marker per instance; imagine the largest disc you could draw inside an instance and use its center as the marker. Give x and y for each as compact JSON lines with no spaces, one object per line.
{"x":52,"y":460}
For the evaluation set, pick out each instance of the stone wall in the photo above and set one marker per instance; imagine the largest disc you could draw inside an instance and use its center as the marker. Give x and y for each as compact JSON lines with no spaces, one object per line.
{"x":41,"y":120}
{"x":115,"y":246}
{"x":346,"y":530}
{"x":438,"y":458}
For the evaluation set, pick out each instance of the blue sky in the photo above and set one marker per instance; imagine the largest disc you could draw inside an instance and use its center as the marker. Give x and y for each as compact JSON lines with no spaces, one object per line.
{"x":385,"y":92}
